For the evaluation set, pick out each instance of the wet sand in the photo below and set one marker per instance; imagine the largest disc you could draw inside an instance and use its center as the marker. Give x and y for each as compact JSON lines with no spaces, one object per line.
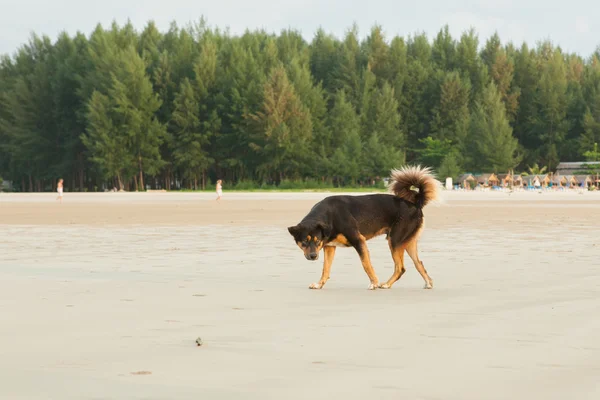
{"x":103,"y":296}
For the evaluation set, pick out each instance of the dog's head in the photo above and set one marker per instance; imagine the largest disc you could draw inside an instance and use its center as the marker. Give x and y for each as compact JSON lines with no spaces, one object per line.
{"x":310,"y":238}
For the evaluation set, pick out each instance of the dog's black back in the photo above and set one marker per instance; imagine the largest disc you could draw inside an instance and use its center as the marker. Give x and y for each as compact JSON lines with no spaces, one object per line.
{"x":367,"y":215}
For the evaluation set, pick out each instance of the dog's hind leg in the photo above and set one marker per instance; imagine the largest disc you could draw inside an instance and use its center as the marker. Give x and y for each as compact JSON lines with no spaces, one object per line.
{"x":363,"y":252}
{"x":398,"y":256}
{"x":411,"y":249}
{"x":328,"y":252}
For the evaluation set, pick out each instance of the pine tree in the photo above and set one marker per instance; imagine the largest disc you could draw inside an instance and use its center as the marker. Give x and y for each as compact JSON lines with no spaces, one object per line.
{"x":491,"y":50}
{"x":399,"y":70}
{"x":323,"y":59}
{"x":418,"y":91}
{"x":450,"y":117}
{"x":491,"y":133}
{"x":470,"y":65}
{"x":388,"y":119}
{"x":70,"y":57}
{"x":501,"y":69}
{"x":591,"y":133}
{"x":591,"y":118}
{"x":29,"y":120}
{"x":381,"y":132}
{"x":313,"y":98}
{"x":443,"y":51}
{"x":135,"y":105}
{"x":576,"y":108}
{"x":343,"y":122}
{"x":387,"y":157}
{"x":434,"y":151}
{"x":7,"y":77}
{"x":189,"y":142}
{"x":350,"y":64}
{"x":205,"y":81}
{"x":377,"y":53}
{"x":526,"y":78}
{"x":549,"y":123}
{"x":291,"y":47}
{"x":123,"y":126}
{"x":283,"y":128}
{"x":148,"y":48}
{"x":450,"y":167}
{"x":106,"y":143}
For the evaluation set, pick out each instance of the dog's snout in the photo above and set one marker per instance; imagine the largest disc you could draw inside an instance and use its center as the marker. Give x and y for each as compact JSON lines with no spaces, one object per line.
{"x":313,"y":256}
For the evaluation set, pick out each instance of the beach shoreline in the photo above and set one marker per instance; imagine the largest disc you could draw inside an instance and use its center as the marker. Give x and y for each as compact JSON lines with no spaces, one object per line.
{"x":104,"y":295}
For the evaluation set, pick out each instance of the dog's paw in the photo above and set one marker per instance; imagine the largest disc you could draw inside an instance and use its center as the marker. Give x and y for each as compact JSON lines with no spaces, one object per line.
{"x":373,"y":286}
{"x":315,"y":286}
{"x":384,"y":286}
{"x":428,"y":285}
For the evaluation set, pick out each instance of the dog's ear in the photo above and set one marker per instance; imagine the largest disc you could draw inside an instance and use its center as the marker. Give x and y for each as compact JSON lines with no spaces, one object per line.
{"x":294,"y":230}
{"x":325,"y":229}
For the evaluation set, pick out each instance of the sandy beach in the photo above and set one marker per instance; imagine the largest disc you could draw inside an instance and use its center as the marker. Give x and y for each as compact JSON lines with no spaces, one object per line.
{"x":103,"y":296}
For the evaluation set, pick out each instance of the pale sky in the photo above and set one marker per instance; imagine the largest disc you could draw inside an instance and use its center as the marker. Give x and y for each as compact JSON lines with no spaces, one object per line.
{"x":572,"y":25}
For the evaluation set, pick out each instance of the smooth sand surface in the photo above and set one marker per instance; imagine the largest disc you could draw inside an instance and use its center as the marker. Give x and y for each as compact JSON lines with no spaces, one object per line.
{"x":103,"y":296}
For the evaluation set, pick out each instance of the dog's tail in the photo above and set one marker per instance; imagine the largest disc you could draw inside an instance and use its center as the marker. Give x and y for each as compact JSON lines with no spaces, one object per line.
{"x":414,"y":184}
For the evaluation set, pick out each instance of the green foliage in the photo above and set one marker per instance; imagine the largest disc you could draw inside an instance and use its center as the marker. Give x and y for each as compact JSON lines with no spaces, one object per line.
{"x":124,"y":135}
{"x":551,"y":100}
{"x":450,"y":116}
{"x":343,"y":122}
{"x":450,"y":166}
{"x":106,"y":144}
{"x":184,"y":107}
{"x":491,"y":133}
{"x":434,"y":151}
{"x":592,"y":155}
{"x":536,"y":169}
{"x":189,"y":141}
{"x":282,"y":127}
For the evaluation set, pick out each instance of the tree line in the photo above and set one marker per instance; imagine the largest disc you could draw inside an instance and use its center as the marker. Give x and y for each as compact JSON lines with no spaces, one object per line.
{"x":182,"y":108}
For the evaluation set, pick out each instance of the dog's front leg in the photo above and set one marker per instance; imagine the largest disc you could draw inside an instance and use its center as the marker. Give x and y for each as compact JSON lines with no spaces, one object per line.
{"x":329,"y":252}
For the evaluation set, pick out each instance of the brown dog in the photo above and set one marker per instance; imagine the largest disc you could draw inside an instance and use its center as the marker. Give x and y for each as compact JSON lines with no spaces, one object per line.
{"x":350,"y":221}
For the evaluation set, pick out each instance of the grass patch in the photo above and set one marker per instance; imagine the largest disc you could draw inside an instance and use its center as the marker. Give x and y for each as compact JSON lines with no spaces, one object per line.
{"x":308,"y":185}
{"x":276,"y":189}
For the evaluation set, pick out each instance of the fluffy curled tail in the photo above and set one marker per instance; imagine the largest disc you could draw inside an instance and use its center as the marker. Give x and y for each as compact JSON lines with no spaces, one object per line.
{"x":414,"y":184}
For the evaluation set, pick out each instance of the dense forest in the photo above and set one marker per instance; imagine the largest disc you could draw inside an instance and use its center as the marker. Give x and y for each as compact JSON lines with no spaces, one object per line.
{"x":179,"y":109}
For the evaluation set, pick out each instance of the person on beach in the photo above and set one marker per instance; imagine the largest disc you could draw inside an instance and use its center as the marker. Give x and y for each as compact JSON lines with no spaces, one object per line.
{"x":59,"y":189}
{"x":219,"y":189}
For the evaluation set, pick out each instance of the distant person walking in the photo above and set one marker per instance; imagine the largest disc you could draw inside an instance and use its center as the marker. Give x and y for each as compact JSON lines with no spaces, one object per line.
{"x":59,"y":189}
{"x":219,"y":189}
